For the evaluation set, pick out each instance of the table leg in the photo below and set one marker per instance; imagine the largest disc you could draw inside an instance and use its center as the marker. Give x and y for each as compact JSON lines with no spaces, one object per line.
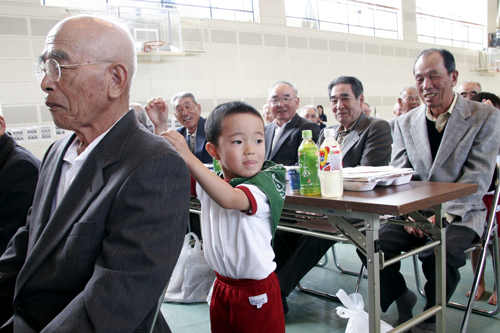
{"x":440,"y":273}
{"x":373,"y":266}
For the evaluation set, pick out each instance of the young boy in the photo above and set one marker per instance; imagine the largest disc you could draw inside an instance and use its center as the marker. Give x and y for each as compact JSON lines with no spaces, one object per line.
{"x":239,"y":217}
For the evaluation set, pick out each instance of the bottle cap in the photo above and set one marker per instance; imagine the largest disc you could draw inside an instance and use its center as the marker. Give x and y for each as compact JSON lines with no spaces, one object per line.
{"x":307,"y":134}
{"x":329,"y":132}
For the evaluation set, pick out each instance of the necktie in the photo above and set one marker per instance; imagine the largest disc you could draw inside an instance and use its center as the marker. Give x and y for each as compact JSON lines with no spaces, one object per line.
{"x":192,"y":142}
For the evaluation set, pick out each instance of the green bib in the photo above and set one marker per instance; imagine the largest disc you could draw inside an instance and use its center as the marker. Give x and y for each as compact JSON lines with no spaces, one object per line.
{"x":271,"y":180}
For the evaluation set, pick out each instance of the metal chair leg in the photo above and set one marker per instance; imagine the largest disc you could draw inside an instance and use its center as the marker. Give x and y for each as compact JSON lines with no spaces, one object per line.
{"x":343,"y":270}
{"x":360,"y":277}
{"x":323,"y":264}
{"x":491,"y":235}
{"x":417,"y":276}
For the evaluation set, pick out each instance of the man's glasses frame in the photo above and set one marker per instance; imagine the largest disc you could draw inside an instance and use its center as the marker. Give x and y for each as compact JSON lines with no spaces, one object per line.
{"x":52,"y":69}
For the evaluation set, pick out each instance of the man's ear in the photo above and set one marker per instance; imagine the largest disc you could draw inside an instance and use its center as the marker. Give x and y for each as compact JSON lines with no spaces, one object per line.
{"x":400,"y":102}
{"x":212,"y":150}
{"x":3,"y":126}
{"x":119,"y":79}
{"x":454,"y":78}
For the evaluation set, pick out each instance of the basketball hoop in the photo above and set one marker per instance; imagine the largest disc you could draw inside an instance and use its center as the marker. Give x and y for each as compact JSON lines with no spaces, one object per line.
{"x":153,"y":47}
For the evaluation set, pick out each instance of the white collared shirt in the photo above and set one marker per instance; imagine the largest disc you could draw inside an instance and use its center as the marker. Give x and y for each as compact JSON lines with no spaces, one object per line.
{"x":442,"y":119}
{"x":277,"y":133}
{"x":72,"y":163}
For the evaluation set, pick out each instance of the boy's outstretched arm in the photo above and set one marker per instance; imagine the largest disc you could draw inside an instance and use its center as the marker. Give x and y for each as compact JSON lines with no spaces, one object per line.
{"x":220,"y":191}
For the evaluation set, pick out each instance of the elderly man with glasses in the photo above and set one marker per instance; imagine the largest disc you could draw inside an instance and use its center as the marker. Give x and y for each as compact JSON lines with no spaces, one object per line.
{"x":110,"y":208}
{"x":284,"y":135}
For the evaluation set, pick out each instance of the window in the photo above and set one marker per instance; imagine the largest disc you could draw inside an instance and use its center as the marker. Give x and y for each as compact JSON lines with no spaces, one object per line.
{"x":458,"y":23}
{"x":236,"y":10}
{"x":370,"y":17}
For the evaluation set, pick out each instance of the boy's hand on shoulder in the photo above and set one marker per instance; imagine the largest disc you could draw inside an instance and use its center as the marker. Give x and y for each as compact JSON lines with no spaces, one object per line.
{"x":179,"y":142}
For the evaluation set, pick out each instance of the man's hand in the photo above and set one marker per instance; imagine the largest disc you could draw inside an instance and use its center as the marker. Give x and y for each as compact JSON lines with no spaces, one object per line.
{"x":415,"y":232}
{"x":157,"y":110}
{"x":487,"y":101}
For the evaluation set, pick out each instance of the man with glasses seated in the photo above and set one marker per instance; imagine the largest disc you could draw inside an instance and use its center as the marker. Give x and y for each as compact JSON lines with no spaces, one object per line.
{"x":283,"y":138}
{"x":188,"y":112}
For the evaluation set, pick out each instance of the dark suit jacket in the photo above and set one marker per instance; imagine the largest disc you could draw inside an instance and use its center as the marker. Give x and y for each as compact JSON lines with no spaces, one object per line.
{"x":101,"y":261}
{"x":285,"y":151}
{"x":18,"y":177}
{"x":467,"y":154}
{"x":201,"y":152}
{"x":368,"y":144}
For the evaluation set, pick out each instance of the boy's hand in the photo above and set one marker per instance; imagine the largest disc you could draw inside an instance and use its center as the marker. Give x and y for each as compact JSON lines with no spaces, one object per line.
{"x":177,"y":140}
{"x":157,"y":110}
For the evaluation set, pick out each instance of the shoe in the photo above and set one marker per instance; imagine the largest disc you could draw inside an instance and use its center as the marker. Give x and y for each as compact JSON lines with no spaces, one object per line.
{"x":425,"y":328}
{"x":405,"y":304}
{"x":285,"y":304}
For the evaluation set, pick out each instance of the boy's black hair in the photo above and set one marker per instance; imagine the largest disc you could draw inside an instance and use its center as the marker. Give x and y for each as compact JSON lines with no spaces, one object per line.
{"x":486,"y":95}
{"x":213,"y":125}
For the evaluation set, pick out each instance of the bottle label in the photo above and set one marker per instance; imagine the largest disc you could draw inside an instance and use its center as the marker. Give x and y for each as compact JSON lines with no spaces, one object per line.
{"x":308,"y":168}
{"x":330,"y":158}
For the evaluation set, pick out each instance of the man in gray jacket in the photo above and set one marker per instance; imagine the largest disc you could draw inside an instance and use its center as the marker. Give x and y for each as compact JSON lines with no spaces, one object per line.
{"x":447,"y":139}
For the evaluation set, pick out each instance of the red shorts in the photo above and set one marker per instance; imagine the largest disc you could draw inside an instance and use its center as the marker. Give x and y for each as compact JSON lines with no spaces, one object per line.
{"x":231,"y":308}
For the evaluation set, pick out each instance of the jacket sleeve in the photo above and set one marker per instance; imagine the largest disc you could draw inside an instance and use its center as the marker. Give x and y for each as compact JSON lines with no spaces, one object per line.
{"x":479,"y":166}
{"x":377,"y":147}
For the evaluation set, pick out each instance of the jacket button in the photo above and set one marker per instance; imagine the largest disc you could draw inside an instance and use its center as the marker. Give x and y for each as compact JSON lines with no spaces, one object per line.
{"x":21,"y":309}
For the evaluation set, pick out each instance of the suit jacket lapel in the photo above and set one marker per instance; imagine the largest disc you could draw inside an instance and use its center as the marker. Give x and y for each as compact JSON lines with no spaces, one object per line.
{"x":353,"y":137}
{"x":420,"y":138}
{"x":454,"y":132}
{"x":268,"y":136}
{"x":200,"y":139}
{"x":49,"y":180}
{"x":85,"y":187}
{"x":289,"y":128}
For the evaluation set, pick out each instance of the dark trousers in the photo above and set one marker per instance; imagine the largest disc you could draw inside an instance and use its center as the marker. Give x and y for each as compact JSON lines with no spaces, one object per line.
{"x":295,"y":256}
{"x":394,"y":240}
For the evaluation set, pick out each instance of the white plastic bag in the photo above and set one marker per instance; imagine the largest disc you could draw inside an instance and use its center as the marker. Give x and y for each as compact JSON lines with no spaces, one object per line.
{"x":358,"y":317}
{"x":192,"y":276}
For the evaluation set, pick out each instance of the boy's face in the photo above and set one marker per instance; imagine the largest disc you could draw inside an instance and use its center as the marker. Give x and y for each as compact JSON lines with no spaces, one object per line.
{"x":241,"y":145}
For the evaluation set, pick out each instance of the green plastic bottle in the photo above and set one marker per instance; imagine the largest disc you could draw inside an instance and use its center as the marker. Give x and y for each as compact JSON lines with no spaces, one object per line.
{"x":308,"y":165}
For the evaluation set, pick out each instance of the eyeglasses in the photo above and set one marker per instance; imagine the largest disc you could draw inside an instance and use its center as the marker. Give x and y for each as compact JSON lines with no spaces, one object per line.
{"x":284,"y":101}
{"x":52,"y":69}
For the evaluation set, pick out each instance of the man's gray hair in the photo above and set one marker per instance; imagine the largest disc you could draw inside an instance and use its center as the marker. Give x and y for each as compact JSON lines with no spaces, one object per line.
{"x":181,"y":95}
{"x":283,"y":82}
{"x":309,"y":107}
{"x":404,"y":89}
